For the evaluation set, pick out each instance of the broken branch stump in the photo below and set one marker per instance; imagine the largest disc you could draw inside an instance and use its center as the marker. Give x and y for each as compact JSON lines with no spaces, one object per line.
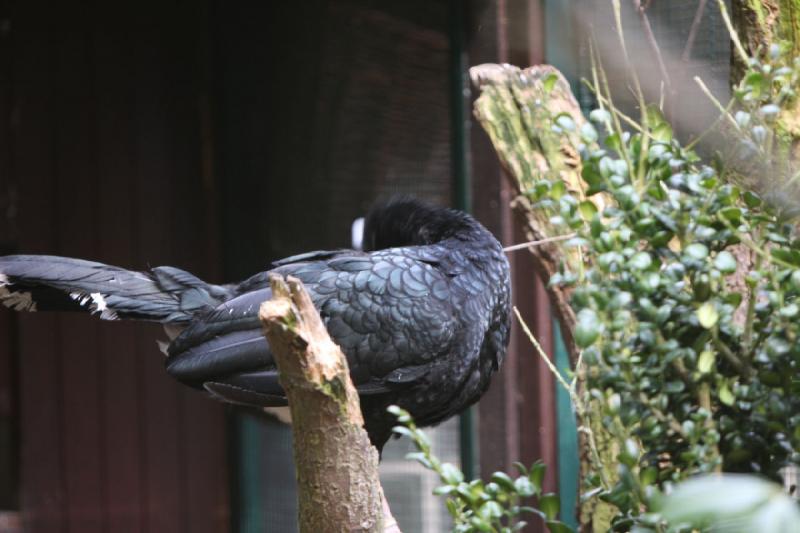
{"x":337,"y":466}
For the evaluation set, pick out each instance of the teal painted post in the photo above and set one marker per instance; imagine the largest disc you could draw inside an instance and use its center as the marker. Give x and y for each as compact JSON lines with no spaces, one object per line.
{"x":568,"y":460}
{"x":250,"y":502}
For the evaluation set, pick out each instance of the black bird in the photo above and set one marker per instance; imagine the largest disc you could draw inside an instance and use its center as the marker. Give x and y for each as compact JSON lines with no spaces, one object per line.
{"x":423,"y":315}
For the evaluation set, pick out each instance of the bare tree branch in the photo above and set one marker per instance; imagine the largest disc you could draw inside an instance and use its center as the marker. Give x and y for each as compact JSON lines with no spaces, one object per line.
{"x":641,"y":10}
{"x":337,"y":466}
{"x":698,"y":18}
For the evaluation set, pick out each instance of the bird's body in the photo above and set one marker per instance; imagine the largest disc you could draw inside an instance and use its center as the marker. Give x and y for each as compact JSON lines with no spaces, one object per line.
{"x":423,"y":317}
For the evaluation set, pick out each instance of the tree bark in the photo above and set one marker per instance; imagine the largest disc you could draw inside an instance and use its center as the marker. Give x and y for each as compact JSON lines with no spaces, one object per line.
{"x":518,"y":109}
{"x":337,"y":467}
{"x":760,"y":24}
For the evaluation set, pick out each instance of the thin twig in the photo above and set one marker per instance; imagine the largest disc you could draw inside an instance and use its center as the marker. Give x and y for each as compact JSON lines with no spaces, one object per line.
{"x":580,"y":408}
{"x":651,"y":40}
{"x":713,"y":126}
{"x":698,"y":18}
{"x":545,"y":357}
{"x":625,"y":118}
{"x":725,"y":112}
{"x":734,"y":36}
{"x":529,"y":244}
{"x":637,"y":170}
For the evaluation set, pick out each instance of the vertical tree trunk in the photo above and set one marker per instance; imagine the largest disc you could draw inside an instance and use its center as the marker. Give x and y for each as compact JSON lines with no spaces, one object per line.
{"x":337,"y":466}
{"x":760,"y":24}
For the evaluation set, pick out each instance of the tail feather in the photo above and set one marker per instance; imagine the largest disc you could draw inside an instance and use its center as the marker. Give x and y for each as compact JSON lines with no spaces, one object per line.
{"x":51,"y":283}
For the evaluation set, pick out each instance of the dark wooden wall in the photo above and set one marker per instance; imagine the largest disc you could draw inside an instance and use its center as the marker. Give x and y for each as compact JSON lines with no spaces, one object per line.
{"x":517,"y":415}
{"x":105,"y":154}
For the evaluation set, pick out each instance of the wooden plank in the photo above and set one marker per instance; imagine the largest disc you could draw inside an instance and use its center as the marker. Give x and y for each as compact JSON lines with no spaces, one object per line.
{"x":162,"y":446}
{"x":76,"y":187}
{"x":42,"y":476}
{"x":9,"y":460}
{"x":120,"y":376}
{"x":204,"y":452}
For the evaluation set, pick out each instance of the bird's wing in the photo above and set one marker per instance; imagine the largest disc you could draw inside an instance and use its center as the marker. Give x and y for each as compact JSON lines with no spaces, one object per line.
{"x":317,"y":255}
{"x":51,"y":283}
{"x":391,"y":313}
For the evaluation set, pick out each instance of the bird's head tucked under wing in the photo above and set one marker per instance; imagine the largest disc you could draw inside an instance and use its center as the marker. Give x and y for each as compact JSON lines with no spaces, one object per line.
{"x":406,"y":221}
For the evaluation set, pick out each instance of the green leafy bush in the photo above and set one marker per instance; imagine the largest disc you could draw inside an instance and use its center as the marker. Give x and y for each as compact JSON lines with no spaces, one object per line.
{"x":496,"y":506}
{"x":688,"y":298}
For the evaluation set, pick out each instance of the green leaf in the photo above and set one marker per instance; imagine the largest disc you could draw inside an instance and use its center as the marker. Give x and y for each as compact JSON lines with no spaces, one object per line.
{"x":640,"y":261}
{"x":453,"y":507}
{"x":565,"y":122}
{"x":745,"y":501}
{"x":725,"y":395}
{"x":442,"y":490}
{"x":756,"y":82}
{"x":503,"y":479}
{"x":536,"y":476}
{"x":649,"y":475}
{"x":549,"y":82}
{"x":588,"y":133}
{"x":402,"y":430}
{"x":524,"y":487}
{"x":705,"y":361}
{"x":751,"y":199}
{"x":697,"y":251}
{"x":490,"y":509}
{"x":725,"y":262}
{"x":587,"y":209}
{"x":421,"y":458}
{"x":707,"y":315}
{"x":662,"y":132}
{"x":629,"y":455}
{"x":480,"y":524}
{"x":549,"y":505}
{"x":601,"y":116}
{"x":587,"y":330}
{"x":791,"y":257}
{"x":654,"y":115}
{"x":558,"y":527}
{"x":613,"y":142}
{"x":731,"y":214}
{"x":451,"y":474}
{"x":557,"y":190}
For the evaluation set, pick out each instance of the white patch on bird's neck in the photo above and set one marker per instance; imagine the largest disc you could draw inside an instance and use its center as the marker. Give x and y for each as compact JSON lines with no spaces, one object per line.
{"x":3,"y":279}
{"x":357,"y":234}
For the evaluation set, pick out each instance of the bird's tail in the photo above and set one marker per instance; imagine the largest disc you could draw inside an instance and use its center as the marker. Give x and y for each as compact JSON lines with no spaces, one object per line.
{"x":50,"y":283}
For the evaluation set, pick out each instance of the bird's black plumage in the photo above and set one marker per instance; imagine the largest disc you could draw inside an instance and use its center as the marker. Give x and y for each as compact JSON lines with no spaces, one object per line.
{"x":422,"y":315}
